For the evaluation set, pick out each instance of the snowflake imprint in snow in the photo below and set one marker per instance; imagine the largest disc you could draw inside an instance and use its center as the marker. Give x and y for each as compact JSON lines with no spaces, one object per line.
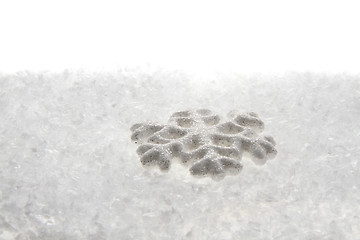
{"x":203,"y":143}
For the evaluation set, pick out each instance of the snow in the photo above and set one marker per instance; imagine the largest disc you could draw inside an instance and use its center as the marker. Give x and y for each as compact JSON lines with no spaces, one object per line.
{"x":68,"y":169}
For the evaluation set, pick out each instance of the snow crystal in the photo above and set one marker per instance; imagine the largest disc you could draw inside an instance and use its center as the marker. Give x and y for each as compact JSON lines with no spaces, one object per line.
{"x":198,"y":138}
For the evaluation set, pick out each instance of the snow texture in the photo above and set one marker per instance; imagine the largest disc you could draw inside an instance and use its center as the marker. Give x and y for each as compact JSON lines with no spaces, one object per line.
{"x":69,"y":171}
{"x":199,"y":139}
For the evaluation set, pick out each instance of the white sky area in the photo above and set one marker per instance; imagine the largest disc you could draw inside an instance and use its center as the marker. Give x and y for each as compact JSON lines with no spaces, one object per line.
{"x":243,"y":36}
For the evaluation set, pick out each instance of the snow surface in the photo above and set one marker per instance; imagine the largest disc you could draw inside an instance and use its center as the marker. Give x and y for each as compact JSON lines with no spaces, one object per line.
{"x":68,"y":169}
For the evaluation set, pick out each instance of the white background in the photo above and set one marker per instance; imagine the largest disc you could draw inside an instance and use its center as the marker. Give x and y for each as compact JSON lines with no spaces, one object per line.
{"x":242,"y":36}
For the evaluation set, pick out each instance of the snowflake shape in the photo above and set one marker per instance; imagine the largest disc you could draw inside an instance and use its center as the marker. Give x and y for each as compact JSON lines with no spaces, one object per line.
{"x":200,"y":141}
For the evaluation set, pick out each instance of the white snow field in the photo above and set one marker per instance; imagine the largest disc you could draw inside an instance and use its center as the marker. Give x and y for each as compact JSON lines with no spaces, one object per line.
{"x":68,"y":169}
